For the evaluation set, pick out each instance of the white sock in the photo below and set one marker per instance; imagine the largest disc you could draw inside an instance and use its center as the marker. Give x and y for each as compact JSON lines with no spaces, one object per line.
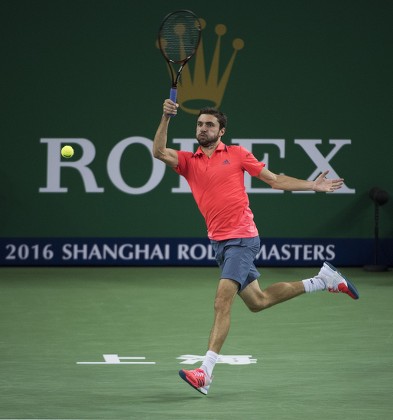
{"x":209,"y":362}
{"x":313,"y":285}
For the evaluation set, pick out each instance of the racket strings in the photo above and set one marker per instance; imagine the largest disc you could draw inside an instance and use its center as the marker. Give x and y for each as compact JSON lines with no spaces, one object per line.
{"x":179,"y":37}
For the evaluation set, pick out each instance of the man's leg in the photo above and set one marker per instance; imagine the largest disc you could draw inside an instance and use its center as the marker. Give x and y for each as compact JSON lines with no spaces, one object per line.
{"x":226,"y":292}
{"x":257,"y":299}
{"x":201,"y":378}
{"x":328,"y":278}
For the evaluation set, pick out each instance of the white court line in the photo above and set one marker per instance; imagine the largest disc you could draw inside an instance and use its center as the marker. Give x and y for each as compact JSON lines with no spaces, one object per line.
{"x":114,"y":359}
{"x":113,"y":363}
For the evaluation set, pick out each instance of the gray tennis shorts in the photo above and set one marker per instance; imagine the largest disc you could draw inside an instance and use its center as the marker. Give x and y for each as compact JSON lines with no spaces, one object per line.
{"x":235,"y":258}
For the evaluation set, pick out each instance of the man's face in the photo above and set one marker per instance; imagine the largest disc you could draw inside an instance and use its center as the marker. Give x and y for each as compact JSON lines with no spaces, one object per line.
{"x":208,"y":130}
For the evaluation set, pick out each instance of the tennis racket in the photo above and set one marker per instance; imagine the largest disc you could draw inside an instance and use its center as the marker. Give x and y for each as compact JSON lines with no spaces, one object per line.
{"x":178,"y":40}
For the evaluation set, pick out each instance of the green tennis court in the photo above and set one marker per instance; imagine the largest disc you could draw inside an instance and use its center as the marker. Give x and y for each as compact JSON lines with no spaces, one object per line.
{"x":319,"y":356}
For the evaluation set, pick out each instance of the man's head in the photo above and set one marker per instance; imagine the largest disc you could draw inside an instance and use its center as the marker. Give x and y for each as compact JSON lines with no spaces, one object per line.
{"x":221,"y":117}
{"x":211,"y":125}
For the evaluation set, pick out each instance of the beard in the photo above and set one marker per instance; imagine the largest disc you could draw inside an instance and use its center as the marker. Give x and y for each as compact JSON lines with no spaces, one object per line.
{"x":205,"y":141}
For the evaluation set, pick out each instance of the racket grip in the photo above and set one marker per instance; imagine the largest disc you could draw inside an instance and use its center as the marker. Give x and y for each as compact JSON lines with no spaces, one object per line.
{"x":173,"y":96}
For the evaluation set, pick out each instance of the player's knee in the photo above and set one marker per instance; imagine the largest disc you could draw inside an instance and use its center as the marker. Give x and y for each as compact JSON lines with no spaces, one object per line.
{"x":255,"y":308}
{"x":221,"y":304}
{"x":258,"y":305}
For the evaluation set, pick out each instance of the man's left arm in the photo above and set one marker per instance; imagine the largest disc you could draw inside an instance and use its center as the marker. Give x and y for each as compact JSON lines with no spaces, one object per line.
{"x":288,"y":183}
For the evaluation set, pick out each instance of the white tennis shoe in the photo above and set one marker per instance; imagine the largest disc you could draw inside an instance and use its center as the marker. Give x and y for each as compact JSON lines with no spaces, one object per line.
{"x":335,"y":282}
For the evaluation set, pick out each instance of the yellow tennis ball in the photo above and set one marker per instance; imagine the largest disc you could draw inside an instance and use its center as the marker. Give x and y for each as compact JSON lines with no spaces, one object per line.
{"x":67,"y":151}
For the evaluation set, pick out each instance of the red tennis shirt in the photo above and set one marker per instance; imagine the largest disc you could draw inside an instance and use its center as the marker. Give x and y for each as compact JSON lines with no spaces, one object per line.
{"x":217,"y":184}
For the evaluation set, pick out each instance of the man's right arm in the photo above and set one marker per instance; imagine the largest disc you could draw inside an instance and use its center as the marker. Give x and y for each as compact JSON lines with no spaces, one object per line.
{"x":160,"y":151}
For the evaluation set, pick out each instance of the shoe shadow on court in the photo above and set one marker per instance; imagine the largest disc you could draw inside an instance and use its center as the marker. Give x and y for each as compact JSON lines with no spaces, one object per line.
{"x":165,"y":397}
{"x":185,"y":397}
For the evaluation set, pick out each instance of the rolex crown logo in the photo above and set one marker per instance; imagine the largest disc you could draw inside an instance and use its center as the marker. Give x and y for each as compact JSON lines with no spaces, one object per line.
{"x":201,"y":87}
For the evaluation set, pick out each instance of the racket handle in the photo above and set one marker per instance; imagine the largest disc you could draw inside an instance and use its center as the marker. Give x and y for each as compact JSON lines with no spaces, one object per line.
{"x":173,"y":96}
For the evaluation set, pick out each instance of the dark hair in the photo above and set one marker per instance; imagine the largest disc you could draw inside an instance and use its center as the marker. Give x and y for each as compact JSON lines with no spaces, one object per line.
{"x":221,"y":117}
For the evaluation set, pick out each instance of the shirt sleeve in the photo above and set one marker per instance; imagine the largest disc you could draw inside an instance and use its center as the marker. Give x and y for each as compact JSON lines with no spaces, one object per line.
{"x":182,"y":165}
{"x":250,"y":163}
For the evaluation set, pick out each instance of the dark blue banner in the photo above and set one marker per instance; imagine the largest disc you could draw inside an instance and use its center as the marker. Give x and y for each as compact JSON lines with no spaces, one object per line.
{"x":275,"y":252}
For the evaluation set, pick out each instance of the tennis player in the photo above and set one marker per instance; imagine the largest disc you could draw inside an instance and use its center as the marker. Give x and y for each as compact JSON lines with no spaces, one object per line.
{"x":215,"y":173}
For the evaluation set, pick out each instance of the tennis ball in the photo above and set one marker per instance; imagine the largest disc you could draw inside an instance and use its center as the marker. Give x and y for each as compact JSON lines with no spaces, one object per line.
{"x":67,"y":151}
